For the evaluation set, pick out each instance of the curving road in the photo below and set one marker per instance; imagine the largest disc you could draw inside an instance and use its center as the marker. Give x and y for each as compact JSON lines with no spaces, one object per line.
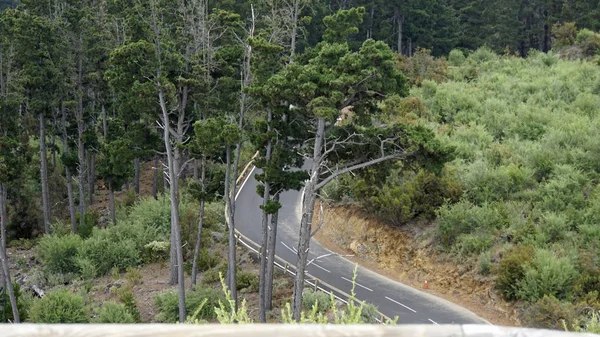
{"x":334,"y":273}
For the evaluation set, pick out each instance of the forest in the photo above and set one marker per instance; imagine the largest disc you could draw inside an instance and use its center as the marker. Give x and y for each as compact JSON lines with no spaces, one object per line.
{"x":126,"y":127}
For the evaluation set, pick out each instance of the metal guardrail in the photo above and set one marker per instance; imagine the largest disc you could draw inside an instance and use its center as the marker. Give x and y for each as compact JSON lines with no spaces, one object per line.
{"x":272,"y":330}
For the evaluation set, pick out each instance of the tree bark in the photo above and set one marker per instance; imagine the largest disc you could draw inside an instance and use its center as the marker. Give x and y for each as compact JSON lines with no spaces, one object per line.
{"x":111,"y":202}
{"x":308,"y":205}
{"x":81,"y":149}
{"x":155,"y":178}
{"x":400,"y":24}
{"x":200,"y":221}
{"x":271,"y":257}
{"x":44,"y":175}
{"x":68,"y":174}
{"x":195,"y":169}
{"x":173,"y":157}
{"x":91,"y":176}
{"x":265,"y":229}
{"x":229,"y":218}
{"x":136,"y":177}
{"x":295,"y":14}
{"x":104,"y":122}
{"x":3,"y":256}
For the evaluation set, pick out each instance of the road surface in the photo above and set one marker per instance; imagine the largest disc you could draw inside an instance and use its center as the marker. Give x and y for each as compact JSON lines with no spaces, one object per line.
{"x":334,"y":272}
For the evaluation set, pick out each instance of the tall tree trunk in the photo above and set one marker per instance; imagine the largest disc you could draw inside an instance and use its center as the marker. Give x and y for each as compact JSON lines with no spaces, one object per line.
{"x":295,"y":14}
{"x":68,"y":176}
{"x":165,"y":181}
{"x":265,"y":228}
{"x":231,"y":257}
{"x":91,"y":176}
{"x":155,"y":178}
{"x":200,"y":221}
{"x":44,"y":175}
{"x":400,"y":23}
{"x":136,"y":177}
{"x":111,"y":202}
{"x":173,"y":157}
{"x":3,"y":257}
{"x":80,"y":131}
{"x":308,"y":206}
{"x":104,"y":122}
{"x":52,"y":153}
{"x":195,"y":169}
{"x":271,"y":257}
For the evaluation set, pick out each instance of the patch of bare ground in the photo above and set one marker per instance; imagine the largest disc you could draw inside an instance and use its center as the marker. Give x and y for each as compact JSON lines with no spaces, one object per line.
{"x":409,"y":257}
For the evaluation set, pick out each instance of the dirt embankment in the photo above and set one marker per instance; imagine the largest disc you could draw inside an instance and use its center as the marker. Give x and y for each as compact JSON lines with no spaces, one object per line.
{"x":410,"y":258}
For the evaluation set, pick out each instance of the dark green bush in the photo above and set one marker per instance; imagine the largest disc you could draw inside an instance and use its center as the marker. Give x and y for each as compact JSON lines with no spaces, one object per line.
{"x":207,"y":260}
{"x":369,"y":313}
{"x":549,"y":313}
{"x":90,"y":220}
{"x":210,"y":276}
{"x":464,"y":218}
{"x":60,"y":306}
{"x":168,"y":305}
{"x":156,"y":251}
{"x":112,"y":312}
{"x":472,"y":244}
{"x":6,"y":314}
{"x":107,"y":253}
{"x":511,"y":270}
{"x":126,"y":297}
{"x":58,"y":253}
{"x":247,"y":280}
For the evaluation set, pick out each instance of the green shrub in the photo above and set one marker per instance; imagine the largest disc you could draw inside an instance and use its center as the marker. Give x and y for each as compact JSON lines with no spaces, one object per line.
{"x":133,"y":276}
{"x":483,"y":54}
{"x":247,"y":280}
{"x":511,"y":270}
{"x":60,"y":306}
{"x":549,"y":313}
{"x":472,"y":244}
{"x":112,"y":312}
{"x":210,"y":276}
{"x":168,"y":304}
{"x":90,"y":220}
{"x":456,"y":58}
{"x":87,"y":268}
{"x":6,"y":314}
{"x":126,"y":297}
{"x":321,"y":299}
{"x":464,"y":217}
{"x":107,"y":252}
{"x":369,"y":313}
{"x":60,"y":228}
{"x":583,"y":35}
{"x":547,"y":275}
{"x":207,"y":260}
{"x":485,"y":263}
{"x":57,"y":253}
{"x":156,"y":251}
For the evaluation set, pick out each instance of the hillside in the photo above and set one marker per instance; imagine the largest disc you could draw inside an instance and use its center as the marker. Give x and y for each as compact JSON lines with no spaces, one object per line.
{"x":527,"y":161}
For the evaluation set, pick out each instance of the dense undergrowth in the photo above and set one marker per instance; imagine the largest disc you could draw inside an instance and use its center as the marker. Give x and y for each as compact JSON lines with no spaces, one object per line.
{"x":521,"y":199}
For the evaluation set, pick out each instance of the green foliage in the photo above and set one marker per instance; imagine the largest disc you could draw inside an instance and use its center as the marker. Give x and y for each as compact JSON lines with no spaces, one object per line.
{"x":128,"y":300}
{"x":58,"y":253}
{"x":112,"y":312}
{"x":6,"y":314}
{"x":422,"y":66}
{"x":464,"y":218}
{"x":207,"y":260}
{"x":210,"y":276}
{"x":60,"y":306}
{"x":318,"y":299}
{"x":106,"y":252}
{"x":485,"y":263}
{"x":204,"y":298}
{"x":90,"y":221}
{"x":547,"y":274}
{"x":456,"y":58}
{"x":550,"y":313}
{"x":511,"y":270}
{"x":247,"y":281}
{"x":156,"y":251}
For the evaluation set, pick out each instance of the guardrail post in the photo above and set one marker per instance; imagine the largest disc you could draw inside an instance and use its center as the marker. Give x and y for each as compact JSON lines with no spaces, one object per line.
{"x":316,"y":284}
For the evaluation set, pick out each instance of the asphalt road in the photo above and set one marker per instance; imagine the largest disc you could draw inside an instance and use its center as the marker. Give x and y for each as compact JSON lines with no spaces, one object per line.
{"x":335,"y":273}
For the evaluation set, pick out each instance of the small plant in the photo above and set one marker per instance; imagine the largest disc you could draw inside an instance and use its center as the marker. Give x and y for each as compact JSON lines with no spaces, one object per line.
{"x":126,"y":297}
{"x":321,"y":300}
{"x":112,"y":312}
{"x":133,"y":276}
{"x":87,"y":268}
{"x":248,"y":281}
{"x":57,"y":253}
{"x":156,"y":251}
{"x":206,"y":260}
{"x":60,"y":306}
{"x":485,"y":263}
{"x":512,"y":269}
{"x":168,"y":305}
{"x":210,"y":276}
{"x":226,"y":313}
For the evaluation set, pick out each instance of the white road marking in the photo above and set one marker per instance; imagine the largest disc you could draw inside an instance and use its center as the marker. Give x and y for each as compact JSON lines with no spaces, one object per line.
{"x":244,"y":183}
{"x":432,"y":321}
{"x":295,"y":251}
{"x":409,"y":308}
{"x":316,"y":265}
{"x":358,"y":284}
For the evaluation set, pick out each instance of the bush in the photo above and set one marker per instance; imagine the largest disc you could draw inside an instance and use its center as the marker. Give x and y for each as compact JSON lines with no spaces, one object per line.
{"x":564,"y":34}
{"x":471,"y":244}
{"x":247,"y":280}
{"x":156,"y":251}
{"x":207,"y":260}
{"x":168,"y":304}
{"x":583,"y":35}
{"x":547,"y":275}
{"x":464,"y":218}
{"x":106,"y":252}
{"x":485,"y":263}
{"x":369,"y":313}
{"x":6,"y":314}
{"x":90,"y":220}
{"x":60,"y":306}
{"x":456,"y":58}
{"x":57,"y":253}
{"x":87,"y":268}
{"x":511,"y":270}
{"x":126,"y":297}
{"x":210,"y":276}
{"x":549,"y":313}
{"x":112,"y":312}
{"x":319,"y":298}
{"x":482,"y":55}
